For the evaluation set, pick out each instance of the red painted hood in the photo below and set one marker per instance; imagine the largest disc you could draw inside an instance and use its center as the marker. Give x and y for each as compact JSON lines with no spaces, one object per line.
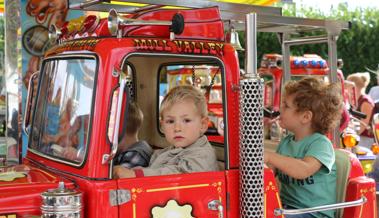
{"x":23,"y":195}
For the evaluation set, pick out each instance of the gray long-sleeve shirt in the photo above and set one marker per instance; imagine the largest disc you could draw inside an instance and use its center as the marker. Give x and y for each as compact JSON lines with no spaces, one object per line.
{"x":198,"y":157}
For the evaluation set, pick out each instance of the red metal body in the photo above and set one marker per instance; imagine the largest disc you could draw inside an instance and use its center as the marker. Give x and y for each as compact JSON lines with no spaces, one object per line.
{"x":203,"y":37}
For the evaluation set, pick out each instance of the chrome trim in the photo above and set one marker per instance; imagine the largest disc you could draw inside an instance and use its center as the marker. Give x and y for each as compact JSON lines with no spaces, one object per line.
{"x":233,"y":11}
{"x":251,"y":45}
{"x":361,"y":201}
{"x":110,"y":156}
{"x":251,"y":194}
{"x":309,"y":40}
{"x":80,"y":6}
{"x":216,"y":205}
{"x":29,"y":100}
{"x":119,"y":196}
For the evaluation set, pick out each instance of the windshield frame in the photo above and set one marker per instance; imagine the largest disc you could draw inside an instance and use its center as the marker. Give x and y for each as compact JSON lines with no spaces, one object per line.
{"x":88,"y":56}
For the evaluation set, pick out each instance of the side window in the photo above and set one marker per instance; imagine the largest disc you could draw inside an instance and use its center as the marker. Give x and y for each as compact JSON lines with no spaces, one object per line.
{"x":206,"y":77}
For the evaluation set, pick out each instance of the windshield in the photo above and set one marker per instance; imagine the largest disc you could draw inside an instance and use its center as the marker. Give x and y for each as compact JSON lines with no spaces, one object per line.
{"x":61,"y":120}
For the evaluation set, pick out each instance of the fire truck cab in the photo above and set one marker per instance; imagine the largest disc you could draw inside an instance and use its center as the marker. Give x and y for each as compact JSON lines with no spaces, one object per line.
{"x":77,"y":117}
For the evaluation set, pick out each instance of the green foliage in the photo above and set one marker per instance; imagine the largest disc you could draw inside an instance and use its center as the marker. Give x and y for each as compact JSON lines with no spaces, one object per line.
{"x":357,"y":46}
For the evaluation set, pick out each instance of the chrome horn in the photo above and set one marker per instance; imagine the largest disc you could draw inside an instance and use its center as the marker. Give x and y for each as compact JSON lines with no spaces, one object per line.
{"x":115,"y":21}
{"x":233,"y":39}
{"x":54,"y":33}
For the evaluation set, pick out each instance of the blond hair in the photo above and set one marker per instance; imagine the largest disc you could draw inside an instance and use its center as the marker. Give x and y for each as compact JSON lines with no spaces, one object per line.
{"x":322,"y":99}
{"x":182,"y":93}
{"x":361,"y":80}
{"x":134,"y":119}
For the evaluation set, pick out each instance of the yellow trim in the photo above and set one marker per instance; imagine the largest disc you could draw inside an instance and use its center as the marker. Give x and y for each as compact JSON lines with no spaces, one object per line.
{"x":134,"y":210}
{"x":280,"y":203}
{"x":177,"y":187}
{"x":45,"y":172}
{"x":19,"y":183}
{"x":8,"y":216}
{"x":127,"y":3}
{"x":360,"y":211}
{"x":264,"y":205}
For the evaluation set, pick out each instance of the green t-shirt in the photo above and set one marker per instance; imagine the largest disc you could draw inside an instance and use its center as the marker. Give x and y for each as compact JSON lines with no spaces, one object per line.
{"x":316,"y":190}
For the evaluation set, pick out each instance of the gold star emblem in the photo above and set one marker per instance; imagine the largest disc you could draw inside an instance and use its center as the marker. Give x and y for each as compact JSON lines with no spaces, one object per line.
{"x":172,"y":210}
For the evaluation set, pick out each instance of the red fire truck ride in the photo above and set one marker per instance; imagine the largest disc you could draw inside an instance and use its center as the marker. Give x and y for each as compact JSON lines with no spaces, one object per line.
{"x":100,"y":65}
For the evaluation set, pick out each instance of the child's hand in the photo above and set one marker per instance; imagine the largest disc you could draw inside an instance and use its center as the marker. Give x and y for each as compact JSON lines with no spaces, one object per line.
{"x":266,"y":157}
{"x":122,"y":172}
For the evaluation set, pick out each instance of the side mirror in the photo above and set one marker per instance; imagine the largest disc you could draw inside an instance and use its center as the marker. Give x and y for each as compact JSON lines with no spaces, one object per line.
{"x":32,"y":91}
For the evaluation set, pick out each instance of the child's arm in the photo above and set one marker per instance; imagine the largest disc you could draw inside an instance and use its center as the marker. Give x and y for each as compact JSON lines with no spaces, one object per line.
{"x":296,"y":168}
{"x":122,"y":172}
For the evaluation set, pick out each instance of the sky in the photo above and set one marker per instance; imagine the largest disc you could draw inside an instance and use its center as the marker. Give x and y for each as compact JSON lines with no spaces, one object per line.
{"x":325,"y":5}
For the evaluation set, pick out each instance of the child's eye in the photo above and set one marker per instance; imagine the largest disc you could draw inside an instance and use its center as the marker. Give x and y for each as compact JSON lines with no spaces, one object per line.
{"x":187,"y":120}
{"x":169,"y":121}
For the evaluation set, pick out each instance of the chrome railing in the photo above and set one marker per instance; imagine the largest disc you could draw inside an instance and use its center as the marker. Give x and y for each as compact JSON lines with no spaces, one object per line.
{"x":361,"y":201}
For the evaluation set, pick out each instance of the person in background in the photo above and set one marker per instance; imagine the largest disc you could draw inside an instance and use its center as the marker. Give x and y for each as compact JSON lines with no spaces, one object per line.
{"x":304,"y":161}
{"x":184,"y":120}
{"x":365,"y":105}
{"x":131,"y":151}
{"x":374,"y":91}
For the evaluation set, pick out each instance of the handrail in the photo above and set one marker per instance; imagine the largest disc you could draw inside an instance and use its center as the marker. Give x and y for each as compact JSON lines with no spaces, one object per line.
{"x":111,"y":155}
{"x":279,"y":211}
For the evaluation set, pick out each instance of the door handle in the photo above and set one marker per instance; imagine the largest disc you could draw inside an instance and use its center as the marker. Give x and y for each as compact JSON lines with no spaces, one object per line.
{"x":216,"y":205}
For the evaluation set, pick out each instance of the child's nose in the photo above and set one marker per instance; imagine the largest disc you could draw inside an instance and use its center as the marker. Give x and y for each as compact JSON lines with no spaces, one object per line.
{"x":177,"y":127}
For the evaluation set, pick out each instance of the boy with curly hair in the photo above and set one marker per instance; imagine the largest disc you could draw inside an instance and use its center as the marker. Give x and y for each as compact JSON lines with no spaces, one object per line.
{"x":304,"y":160}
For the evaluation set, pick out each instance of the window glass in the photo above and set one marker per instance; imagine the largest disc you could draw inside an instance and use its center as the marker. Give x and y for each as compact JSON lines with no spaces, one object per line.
{"x":61,"y":123}
{"x":206,"y":77}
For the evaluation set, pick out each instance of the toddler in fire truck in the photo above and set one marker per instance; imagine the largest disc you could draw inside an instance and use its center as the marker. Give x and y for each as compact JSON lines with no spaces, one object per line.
{"x":183,"y":120}
{"x":304,"y":162}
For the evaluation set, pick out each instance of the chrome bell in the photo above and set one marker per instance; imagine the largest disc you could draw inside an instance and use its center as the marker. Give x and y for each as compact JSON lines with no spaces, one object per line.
{"x":232,"y":38}
{"x":61,"y":203}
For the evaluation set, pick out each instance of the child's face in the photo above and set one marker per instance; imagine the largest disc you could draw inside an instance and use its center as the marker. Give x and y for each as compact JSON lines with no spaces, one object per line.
{"x":182,"y":124}
{"x":290,"y":119}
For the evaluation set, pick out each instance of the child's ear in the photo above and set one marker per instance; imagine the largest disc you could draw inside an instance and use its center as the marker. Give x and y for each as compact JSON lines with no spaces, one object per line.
{"x":161,"y":125}
{"x":307,"y":116}
{"x":204,"y":124}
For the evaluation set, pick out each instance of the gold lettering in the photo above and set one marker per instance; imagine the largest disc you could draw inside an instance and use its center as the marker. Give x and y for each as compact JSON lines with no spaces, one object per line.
{"x":148,"y":45}
{"x":196,"y":48}
{"x":187,"y":47}
{"x":158,"y":45}
{"x":220,"y":47}
{"x":140,"y":44}
{"x":178,"y":45}
{"x":205,"y":48}
{"x":212,"y":48}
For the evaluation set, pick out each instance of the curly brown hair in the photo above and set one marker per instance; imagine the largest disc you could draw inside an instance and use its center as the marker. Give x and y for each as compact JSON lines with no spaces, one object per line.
{"x":322,"y":99}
